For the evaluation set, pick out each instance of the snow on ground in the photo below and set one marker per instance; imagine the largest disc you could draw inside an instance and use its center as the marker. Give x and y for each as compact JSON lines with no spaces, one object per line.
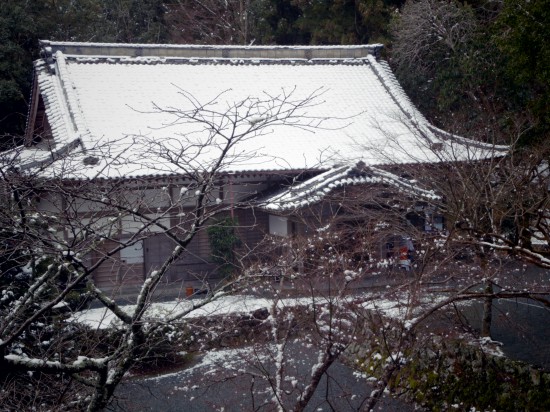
{"x":209,"y":363}
{"x":101,"y":318}
{"x":238,"y":379}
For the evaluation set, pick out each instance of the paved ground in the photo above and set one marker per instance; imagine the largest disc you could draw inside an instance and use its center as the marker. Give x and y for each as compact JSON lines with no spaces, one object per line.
{"x":231,"y":380}
{"x":521,"y":325}
{"x":234,"y":380}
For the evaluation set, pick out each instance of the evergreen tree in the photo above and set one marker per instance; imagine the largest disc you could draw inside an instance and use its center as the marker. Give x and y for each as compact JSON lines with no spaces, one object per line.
{"x":22,"y":23}
{"x":524,"y":38}
{"x":325,"y":21}
{"x":18,"y":44}
{"x":458,"y":64}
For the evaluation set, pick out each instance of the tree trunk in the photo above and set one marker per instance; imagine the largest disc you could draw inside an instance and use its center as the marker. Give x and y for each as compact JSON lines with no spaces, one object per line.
{"x":486,"y":320}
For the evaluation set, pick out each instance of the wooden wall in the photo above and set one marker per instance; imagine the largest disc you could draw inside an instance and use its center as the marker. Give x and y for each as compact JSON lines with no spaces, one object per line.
{"x":194,"y":265}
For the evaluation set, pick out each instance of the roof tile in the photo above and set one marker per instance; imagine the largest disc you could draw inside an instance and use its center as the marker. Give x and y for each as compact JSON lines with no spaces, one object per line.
{"x":105,"y":96}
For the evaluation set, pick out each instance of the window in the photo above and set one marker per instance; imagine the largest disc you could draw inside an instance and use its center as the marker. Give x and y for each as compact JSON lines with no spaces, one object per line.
{"x":133,"y":254}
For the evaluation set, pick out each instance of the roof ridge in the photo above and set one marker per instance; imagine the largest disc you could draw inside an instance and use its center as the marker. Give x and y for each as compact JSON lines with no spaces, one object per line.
{"x":423,"y":125}
{"x":49,"y":88}
{"x":467,"y":142}
{"x":214,"y":60}
{"x":191,"y":50}
{"x":32,"y":107}
{"x":398,"y":95}
{"x":73,"y":106}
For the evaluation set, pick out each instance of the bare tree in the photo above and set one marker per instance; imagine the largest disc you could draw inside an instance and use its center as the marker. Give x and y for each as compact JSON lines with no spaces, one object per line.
{"x":211,"y":21}
{"x":429,"y":30}
{"x":59,"y":232}
{"x":328,"y":291}
{"x":493,"y":208}
{"x":342,"y":289}
{"x":356,"y":238}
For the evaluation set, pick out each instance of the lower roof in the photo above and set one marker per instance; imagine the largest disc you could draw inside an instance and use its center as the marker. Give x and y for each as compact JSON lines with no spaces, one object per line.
{"x":315,"y":189}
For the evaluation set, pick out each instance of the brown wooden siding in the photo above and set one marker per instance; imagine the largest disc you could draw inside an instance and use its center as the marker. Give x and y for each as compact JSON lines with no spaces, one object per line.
{"x":194,"y":266}
{"x":113,"y":272}
{"x":253,"y":226}
{"x":194,"y":262}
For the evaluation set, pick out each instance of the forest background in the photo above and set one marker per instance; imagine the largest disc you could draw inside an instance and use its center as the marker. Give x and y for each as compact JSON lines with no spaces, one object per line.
{"x":479,"y":68}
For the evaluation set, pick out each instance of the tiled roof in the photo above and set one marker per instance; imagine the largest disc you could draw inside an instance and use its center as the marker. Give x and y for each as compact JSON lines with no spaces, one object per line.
{"x":317,"y":188}
{"x":100,"y":100}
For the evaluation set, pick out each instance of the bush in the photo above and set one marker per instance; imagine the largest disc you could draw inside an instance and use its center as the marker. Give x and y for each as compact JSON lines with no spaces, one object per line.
{"x":223,"y":242}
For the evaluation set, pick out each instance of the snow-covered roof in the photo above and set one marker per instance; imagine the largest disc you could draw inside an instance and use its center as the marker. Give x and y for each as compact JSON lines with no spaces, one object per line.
{"x":102,"y":102}
{"x":317,"y":188}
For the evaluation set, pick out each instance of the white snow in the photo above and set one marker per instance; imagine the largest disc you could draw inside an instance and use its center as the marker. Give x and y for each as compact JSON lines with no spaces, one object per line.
{"x":104,"y":110}
{"x":229,"y":358}
{"x":60,"y":305}
{"x":395,"y":307}
{"x":103,"y":318}
{"x":25,"y":360}
{"x":315,"y":189}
